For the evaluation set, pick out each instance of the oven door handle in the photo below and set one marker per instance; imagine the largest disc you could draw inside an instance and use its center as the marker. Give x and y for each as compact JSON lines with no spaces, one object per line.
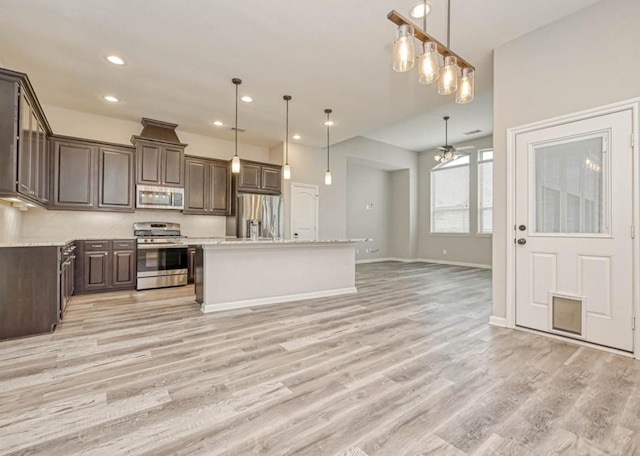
{"x":161,"y":246}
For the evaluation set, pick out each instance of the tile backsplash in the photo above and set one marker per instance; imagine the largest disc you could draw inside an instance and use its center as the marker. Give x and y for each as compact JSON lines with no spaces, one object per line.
{"x":10,"y":223}
{"x":41,"y":225}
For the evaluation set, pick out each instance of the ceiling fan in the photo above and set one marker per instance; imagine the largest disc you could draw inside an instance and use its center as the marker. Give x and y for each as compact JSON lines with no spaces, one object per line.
{"x":448,"y":152}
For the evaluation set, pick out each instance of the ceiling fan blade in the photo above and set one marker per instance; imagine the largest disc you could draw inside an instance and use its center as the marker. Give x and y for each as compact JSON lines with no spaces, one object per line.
{"x":442,"y":148}
{"x":466,"y":148}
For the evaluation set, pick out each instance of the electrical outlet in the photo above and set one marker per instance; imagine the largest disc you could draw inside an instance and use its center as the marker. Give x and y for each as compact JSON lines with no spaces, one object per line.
{"x":357,"y":250}
{"x":444,"y":251}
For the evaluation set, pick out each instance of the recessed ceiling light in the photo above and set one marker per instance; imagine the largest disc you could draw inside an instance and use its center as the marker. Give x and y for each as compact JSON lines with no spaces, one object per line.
{"x":246,"y":99}
{"x":418,"y":10}
{"x":297,"y":136}
{"x":328,"y":123}
{"x":217,"y":123}
{"x":111,"y":99}
{"x":115,"y":60}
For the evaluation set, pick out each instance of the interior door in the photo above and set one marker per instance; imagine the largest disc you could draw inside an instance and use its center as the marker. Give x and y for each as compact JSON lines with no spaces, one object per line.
{"x":574,"y":201}
{"x":304,"y":211}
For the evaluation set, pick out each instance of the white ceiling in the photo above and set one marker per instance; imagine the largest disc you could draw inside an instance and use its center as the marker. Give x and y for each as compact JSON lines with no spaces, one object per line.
{"x":181,"y":55}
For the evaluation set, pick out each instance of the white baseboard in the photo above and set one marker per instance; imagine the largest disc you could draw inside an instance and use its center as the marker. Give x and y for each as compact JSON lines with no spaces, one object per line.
{"x":207,"y":308}
{"x":456,"y":263}
{"x":424,"y":260}
{"x":498,"y":321}
{"x":380,"y":260}
{"x":374,"y":260}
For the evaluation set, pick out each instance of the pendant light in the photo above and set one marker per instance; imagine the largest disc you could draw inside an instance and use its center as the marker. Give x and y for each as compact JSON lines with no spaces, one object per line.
{"x":403,"y":53}
{"x":286,"y":169}
{"x":448,"y":82}
{"x":428,"y":67}
{"x":328,"y":123}
{"x":235,"y":162}
{"x":465,"y":86}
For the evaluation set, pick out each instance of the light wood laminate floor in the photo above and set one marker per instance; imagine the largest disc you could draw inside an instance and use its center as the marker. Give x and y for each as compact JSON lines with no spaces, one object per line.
{"x":408,"y":366}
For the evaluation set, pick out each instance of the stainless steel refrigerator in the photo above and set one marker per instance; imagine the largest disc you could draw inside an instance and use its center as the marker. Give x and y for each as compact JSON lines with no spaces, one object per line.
{"x":260,"y":216}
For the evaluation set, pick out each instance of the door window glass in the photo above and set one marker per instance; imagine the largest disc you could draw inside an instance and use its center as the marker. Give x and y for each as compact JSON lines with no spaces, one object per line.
{"x":570,"y":186}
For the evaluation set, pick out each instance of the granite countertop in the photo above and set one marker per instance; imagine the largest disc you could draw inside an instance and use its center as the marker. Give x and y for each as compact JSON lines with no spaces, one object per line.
{"x":33,"y":244}
{"x":267,"y":241}
{"x":63,"y":242}
{"x":188,"y":241}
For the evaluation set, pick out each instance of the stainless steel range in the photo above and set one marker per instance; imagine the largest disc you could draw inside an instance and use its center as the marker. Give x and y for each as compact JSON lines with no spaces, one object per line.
{"x":162,"y":258}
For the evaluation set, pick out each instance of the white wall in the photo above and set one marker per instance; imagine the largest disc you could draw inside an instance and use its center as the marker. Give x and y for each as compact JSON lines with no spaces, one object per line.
{"x":402,"y":217}
{"x":84,"y":125}
{"x":10,"y":223}
{"x":471,"y":248}
{"x":308,"y":165}
{"x":368,"y":186}
{"x":583,"y":61}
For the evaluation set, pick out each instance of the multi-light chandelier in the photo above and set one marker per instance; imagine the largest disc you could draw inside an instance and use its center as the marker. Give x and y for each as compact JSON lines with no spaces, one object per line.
{"x":437,"y":61}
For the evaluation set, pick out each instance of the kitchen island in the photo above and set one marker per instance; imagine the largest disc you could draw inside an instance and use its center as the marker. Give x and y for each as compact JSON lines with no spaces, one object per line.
{"x":235,"y":273}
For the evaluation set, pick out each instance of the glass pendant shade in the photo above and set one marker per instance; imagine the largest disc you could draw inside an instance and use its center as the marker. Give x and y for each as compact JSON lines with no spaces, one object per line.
{"x":428,"y":65}
{"x":403,"y":49}
{"x":448,"y":82}
{"x":235,"y":164}
{"x":465,"y":86}
{"x":327,"y":178}
{"x":286,"y":172}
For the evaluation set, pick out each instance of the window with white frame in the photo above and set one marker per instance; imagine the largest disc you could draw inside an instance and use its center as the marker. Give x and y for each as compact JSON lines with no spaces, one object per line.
{"x":450,"y":196}
{"x":485,"y":191}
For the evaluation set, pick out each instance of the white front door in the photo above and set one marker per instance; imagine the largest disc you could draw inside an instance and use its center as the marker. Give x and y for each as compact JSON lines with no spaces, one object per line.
{"x":574,"y":252}
{"x":304,"y":211}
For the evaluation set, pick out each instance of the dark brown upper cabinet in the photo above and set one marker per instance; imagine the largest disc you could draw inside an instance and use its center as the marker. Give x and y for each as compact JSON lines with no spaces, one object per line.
{"x":271,"y":179}
{"x":92,"y":175}
{"x":256,"y":177}
{"x":73,"y":174}
{"x":207,"y":186}
{"x":24,"y":155}
{"x":159,"y":155}
{"x":115,"y":178}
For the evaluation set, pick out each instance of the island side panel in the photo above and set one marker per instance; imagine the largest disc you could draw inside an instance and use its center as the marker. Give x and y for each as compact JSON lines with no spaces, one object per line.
{"x":244,"y":276}
{"x":199,"y":275}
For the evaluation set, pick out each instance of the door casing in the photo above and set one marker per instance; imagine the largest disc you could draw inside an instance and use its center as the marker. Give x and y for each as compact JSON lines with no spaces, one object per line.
{"x":510,"y":316}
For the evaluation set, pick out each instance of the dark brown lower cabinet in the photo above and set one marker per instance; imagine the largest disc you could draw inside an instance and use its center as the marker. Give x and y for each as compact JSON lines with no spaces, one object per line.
{"x":29,"y":290}
{"x":67,"y":276}
{"x":105,"y":265}
{"x":124,"y":268}
{"x":95,"y":270}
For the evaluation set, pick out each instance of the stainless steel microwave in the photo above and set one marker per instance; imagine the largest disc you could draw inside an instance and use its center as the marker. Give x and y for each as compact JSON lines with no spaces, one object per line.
{"x":152,"y":197}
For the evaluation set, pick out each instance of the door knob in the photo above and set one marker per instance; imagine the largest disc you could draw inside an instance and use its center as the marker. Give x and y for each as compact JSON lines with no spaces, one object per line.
{"x":522,"y":227}
{"x":522,"y":241}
